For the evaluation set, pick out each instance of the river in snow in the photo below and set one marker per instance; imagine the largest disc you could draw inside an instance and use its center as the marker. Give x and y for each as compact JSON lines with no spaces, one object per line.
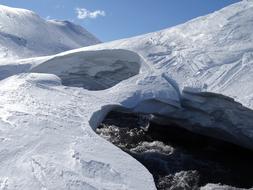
{"x":178,"y":159}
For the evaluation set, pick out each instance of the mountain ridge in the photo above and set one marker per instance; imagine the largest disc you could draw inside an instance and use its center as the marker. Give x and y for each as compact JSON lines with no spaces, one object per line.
{"x":25,"y":34}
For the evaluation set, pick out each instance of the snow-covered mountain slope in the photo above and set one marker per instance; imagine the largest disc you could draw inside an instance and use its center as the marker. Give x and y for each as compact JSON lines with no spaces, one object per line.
{"x":213,"y":53}
{"x":188,"y":74}
{"x":24,"y":34}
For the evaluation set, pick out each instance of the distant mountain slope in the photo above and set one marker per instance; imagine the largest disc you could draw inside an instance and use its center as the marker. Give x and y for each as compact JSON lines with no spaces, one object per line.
{"x":24,"y":34}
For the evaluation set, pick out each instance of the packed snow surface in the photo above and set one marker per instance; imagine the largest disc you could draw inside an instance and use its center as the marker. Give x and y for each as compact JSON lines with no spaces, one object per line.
{"x":198,"y":74}
{"x":24,"y":34}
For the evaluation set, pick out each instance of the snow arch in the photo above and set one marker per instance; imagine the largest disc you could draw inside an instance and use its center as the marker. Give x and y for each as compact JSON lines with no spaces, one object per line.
{"x":93,"y":70}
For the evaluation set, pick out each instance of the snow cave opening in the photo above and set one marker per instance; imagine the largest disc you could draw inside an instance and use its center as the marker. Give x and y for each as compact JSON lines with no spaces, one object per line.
{"x":176,"y":157}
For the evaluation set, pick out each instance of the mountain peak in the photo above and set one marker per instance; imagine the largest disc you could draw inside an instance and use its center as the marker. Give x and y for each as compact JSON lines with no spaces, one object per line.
{"x":15,"y":11}
{"x":23,"y":33}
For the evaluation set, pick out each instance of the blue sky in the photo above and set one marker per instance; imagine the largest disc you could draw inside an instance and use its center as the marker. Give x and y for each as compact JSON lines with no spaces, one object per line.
{"x":116,"y":19}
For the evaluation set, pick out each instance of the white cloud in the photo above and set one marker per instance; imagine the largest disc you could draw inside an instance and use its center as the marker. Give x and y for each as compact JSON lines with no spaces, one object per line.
{"x":83,"y":13}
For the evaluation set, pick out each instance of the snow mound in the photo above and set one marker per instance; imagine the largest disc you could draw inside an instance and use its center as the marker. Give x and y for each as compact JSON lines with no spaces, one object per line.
{"x":24,"y":34}
{"x":47,"y":141}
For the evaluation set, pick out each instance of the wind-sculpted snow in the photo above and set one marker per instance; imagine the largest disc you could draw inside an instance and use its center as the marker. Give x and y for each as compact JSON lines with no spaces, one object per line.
{"x":25,"y":34}
{"x":212,"y":53}
{"x":96,"y":70}
{"x":198,"y":75}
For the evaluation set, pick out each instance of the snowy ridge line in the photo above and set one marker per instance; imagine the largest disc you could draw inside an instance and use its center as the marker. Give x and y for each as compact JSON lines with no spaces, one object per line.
{"x":53,"y":36}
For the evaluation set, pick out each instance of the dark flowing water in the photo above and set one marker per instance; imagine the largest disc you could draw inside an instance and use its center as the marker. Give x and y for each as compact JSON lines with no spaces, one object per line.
{"x":177,"y":158}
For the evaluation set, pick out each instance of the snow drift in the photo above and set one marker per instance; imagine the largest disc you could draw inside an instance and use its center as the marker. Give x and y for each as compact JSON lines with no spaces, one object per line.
{"x":95,"y":70}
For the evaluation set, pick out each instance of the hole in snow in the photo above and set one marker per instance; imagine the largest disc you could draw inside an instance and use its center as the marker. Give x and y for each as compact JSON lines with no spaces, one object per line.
{"x":94,"y":70}
{"x":177,"y":158}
